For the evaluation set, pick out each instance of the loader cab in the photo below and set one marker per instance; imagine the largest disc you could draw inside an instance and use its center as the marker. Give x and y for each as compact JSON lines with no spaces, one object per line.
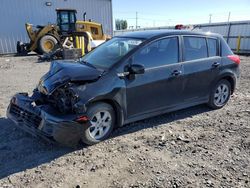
{"x":66,"y":20}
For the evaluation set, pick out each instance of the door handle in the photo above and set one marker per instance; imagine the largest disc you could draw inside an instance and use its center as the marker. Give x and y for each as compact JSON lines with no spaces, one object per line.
{"x":176,"y":72}
{"x":216,"y":64}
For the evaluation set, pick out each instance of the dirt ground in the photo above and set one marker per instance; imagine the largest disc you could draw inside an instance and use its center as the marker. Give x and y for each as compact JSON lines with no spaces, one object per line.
{"x":195,"y":147}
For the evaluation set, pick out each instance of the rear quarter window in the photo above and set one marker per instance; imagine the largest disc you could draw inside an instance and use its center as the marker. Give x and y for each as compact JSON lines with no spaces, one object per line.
{"x":195,"y":48}
{"x":212,"y":47}
{"x":225,"y":49}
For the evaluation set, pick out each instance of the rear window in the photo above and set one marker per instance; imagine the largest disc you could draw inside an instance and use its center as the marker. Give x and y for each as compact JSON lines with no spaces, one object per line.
{"x":212,"y":47}
{"x":195,"y":48}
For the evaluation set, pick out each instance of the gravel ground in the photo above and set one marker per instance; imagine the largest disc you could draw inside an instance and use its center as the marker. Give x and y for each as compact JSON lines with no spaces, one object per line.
{"x":195,"y":147}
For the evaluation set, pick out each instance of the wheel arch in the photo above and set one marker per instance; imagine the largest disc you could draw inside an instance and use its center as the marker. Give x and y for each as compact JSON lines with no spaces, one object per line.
{"x":53,"y":35}
{"x":49,"y":34}
{"x":117,"y":108}
{"x":48,"y":30}
{"x":231,"y":80}
{"x":230,"y":77}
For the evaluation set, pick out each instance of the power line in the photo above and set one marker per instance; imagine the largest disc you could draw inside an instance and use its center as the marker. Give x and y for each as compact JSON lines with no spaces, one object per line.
{"x":213,"y":17}
{"x":153,"y":13}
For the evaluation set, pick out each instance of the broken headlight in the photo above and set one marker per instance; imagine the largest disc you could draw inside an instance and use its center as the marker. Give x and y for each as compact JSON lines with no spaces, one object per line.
{"x":41,"y":87}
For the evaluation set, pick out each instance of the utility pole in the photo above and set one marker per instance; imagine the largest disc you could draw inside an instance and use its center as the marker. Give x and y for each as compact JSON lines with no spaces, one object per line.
{"x":136,"y":20}
{"x":210,"y":18}
{"x":229,"y":15}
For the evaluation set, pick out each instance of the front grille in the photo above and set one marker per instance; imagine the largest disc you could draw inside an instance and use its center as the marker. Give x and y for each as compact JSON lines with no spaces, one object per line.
{"x":27,"y":117}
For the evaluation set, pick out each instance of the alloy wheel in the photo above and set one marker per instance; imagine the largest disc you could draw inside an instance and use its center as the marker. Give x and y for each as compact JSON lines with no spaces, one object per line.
{"x":101,"y":123}
{"x":221,"y":95}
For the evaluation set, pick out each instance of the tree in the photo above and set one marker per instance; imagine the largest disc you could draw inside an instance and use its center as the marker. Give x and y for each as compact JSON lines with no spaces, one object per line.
{"x":121,"y":24}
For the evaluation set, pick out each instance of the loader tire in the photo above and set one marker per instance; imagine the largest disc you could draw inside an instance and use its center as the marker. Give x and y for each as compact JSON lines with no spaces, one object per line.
{"x":47,"y":44}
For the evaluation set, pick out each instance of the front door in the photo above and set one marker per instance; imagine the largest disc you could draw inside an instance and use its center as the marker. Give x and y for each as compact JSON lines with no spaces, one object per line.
{"x":161,"y":84}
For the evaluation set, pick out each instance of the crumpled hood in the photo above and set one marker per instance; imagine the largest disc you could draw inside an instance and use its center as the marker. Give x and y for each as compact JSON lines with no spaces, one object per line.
{"x":62,"y":72}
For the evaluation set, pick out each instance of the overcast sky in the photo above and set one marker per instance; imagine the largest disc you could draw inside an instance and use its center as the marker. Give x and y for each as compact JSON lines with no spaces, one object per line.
{"x":165,"y":12}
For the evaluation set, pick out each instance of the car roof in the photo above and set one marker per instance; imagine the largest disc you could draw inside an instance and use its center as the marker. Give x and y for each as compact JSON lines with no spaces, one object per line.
{"x":165,"y":32}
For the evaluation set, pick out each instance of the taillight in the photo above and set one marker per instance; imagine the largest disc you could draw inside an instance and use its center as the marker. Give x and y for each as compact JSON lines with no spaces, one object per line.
{"x":179,"y":27}
{"x":234,"y":58}
{"x":82,"y":119}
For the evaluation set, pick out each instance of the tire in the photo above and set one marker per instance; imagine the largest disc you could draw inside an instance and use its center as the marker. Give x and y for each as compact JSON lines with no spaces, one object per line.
{"x":21,"y":48}
{"x":95,"y":111}
{"x":47,"y":44}
{"x":220,"y":94}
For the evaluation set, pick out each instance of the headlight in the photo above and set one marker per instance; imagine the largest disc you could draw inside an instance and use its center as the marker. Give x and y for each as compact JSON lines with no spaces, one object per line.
{"x":41,"y":87}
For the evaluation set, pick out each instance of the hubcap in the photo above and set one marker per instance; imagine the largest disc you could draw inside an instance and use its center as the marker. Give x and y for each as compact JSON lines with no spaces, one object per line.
{"x":100,"y":124}
{"x":221,"y":95}
{"x":49,"y":45}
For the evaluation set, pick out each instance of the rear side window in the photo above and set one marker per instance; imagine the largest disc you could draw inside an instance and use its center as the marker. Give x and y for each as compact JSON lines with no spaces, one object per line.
{"x":158,"y":53}
{"x":225,"y":49}
{"x":195,"y":48}
{"x":212,"y":47}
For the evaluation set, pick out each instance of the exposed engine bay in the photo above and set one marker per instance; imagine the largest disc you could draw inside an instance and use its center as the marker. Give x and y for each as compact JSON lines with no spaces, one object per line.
{"x":61,"y":85}
{"x":64,"y":99}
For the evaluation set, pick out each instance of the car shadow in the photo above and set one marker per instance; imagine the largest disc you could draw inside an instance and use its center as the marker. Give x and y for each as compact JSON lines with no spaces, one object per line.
{"x":20,"y":151}
{"x":161,"y":119}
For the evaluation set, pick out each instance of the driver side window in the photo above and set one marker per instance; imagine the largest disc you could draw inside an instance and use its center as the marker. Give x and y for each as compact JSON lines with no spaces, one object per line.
{"x":158,"y":53}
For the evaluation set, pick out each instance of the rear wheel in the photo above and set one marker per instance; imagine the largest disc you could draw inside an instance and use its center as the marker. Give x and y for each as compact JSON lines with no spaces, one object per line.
{"x":47,"y":44}
{"x":102,"y":119}
{"x":220,"y":94}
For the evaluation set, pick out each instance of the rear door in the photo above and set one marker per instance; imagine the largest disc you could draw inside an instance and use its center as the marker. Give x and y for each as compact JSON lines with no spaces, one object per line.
{"x":201,"y":65}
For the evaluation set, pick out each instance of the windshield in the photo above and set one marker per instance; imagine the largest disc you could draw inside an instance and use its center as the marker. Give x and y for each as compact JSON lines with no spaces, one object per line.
{"x":111,"y":52}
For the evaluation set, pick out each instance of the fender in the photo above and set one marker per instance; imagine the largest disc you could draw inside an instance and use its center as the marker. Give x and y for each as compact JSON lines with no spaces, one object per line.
{"x":99,"y":92}
{"x":42,"y":32}
{"x":115,"y":98}
{"x":227,"y":73}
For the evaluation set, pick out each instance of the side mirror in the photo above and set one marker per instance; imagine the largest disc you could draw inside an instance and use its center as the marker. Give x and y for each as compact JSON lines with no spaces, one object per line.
{"x":136,"y":69}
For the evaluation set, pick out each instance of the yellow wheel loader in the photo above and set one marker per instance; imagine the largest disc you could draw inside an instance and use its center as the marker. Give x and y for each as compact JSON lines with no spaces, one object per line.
{"x":67,"y":33}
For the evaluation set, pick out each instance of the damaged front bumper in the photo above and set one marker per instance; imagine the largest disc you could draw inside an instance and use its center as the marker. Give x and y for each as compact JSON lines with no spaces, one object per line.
{"x":44,"y":121}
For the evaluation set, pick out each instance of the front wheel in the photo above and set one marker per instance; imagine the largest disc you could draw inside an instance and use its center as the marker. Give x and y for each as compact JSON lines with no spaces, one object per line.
{"x":102,"y":119}
{"x":47,"y":44}
{"x":220,"y":94}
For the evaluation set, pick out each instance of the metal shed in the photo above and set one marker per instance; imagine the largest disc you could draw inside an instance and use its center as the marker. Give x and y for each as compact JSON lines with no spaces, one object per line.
{"x":237,"y":34}
{"x":15,"y":13}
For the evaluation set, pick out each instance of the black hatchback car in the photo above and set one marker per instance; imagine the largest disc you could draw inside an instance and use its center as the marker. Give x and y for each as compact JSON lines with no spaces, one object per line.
{"x":129,"y":78}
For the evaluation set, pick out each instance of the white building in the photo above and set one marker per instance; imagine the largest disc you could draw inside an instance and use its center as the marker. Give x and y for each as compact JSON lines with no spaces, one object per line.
{"x":15,"y":13}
